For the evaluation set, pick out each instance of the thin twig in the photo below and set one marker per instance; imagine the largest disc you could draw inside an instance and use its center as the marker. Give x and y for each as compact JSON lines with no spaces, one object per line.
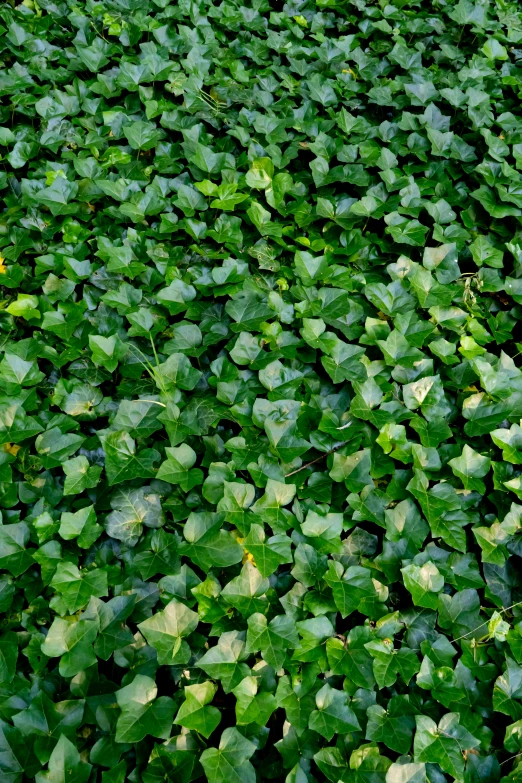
{"x":485,"y":622}
{"x":339,"y":445}
{"x":510,"y":758}
{"x":449,"y":736}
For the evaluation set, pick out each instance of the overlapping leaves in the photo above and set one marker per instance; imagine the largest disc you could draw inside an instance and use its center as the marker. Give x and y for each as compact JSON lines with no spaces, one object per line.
{"x":260,"y":391}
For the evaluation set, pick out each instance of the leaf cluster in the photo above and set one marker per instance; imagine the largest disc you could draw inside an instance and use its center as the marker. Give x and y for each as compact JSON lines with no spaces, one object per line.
{"x":260,"y":391}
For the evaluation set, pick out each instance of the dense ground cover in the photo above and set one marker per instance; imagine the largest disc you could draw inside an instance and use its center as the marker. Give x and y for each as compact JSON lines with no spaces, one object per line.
{"x":260,"y":391}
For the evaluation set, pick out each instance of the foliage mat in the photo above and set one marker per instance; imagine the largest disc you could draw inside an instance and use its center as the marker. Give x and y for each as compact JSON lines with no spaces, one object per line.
{"x":260,"y":394}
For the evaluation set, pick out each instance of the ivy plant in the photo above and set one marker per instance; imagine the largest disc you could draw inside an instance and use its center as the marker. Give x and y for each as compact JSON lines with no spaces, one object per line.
{"x":261,"y":391}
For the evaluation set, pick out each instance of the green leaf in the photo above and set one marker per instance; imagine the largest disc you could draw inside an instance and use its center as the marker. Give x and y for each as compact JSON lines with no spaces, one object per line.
{"x":224,"y":660}
{"x":143,"y":714}
{"x":260,"y":175}
{"x":13,"y":548}
{"x":165,"y":631}
{"x":230,"y":762}
{"x":424,"y":583}
{"x":394,"y":727}
{"x":177,"y":468}
{"x":54,"y":447}
{"x":272,"y":639}
{"x":65,"y":765}
{"x":142,"y":135}
{"x":389,"y":663}
{"x":443,"y":744}
{"x":247,"y":592}
{"x":470,"y":468}
{"x":355,"y":589}
{"x":107,"y":351}
{"x":208,"y":545}
{"x":124,"y":462}
{"x":354,"y":470}
{"x":268,"y":553}
{"x":81,"y":525}
{"x":76,"y":587}
{"x":251,"y":706}
{"x":333,"y":715}
{"x":132,"y":509}
{"x":194,"y":713}
{"x":138,"y":418}
{"x":80,"y":475}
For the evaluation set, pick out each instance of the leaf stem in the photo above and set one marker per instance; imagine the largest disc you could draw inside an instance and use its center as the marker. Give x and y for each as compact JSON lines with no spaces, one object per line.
{"x":485,"y":622}
{"x":511,"y":758}
{"x":335,"y":448}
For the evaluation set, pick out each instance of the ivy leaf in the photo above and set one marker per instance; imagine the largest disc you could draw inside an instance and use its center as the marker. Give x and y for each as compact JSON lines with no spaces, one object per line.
{"x":394,"y":726}
{"x":251,"y":706}
{"x":142,"y":713}
{"x":356,"y":590}
{"x":271,"y":639}
{"x":45,"y":719}
{"x":230,"y":761}
{"x":354,"y":470}
{"x":389,"y":662}
{"x":443,"y":744}
{"x":76,"y":588}
{"x":366,"y":762}
{"x":142,"y":135}
{"x":17,"y":754}
{"x":122,"y":460}
{"x":138,"y":418}
{"x":15,"y":425}
{"x":80,"y":475}
{"x":55,"y":446}
{"x":81,"y":525}
{"x":14,"y":555}
{"x":177,"y":468}
{"x":351,"y":657}
{"x":424,"y":583}
{"x":208,"y":544}
{"x":268,"y":553}
{"x":247,"y":592}
{"x":194,"y":713}
{"x":224,"y":660}
{"x":132,"y":509}
{"x":165,"y":631}
{"x":65,"y":764}
{"x":113,"y":633}
{"x":471,"y":467}
{"x":333,"y":715}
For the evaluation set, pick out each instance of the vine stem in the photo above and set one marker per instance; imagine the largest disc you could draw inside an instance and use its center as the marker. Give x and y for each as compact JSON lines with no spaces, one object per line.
{"x":486,"y":622}
{"x":335,"y":448}
{"x":510,"y":758}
